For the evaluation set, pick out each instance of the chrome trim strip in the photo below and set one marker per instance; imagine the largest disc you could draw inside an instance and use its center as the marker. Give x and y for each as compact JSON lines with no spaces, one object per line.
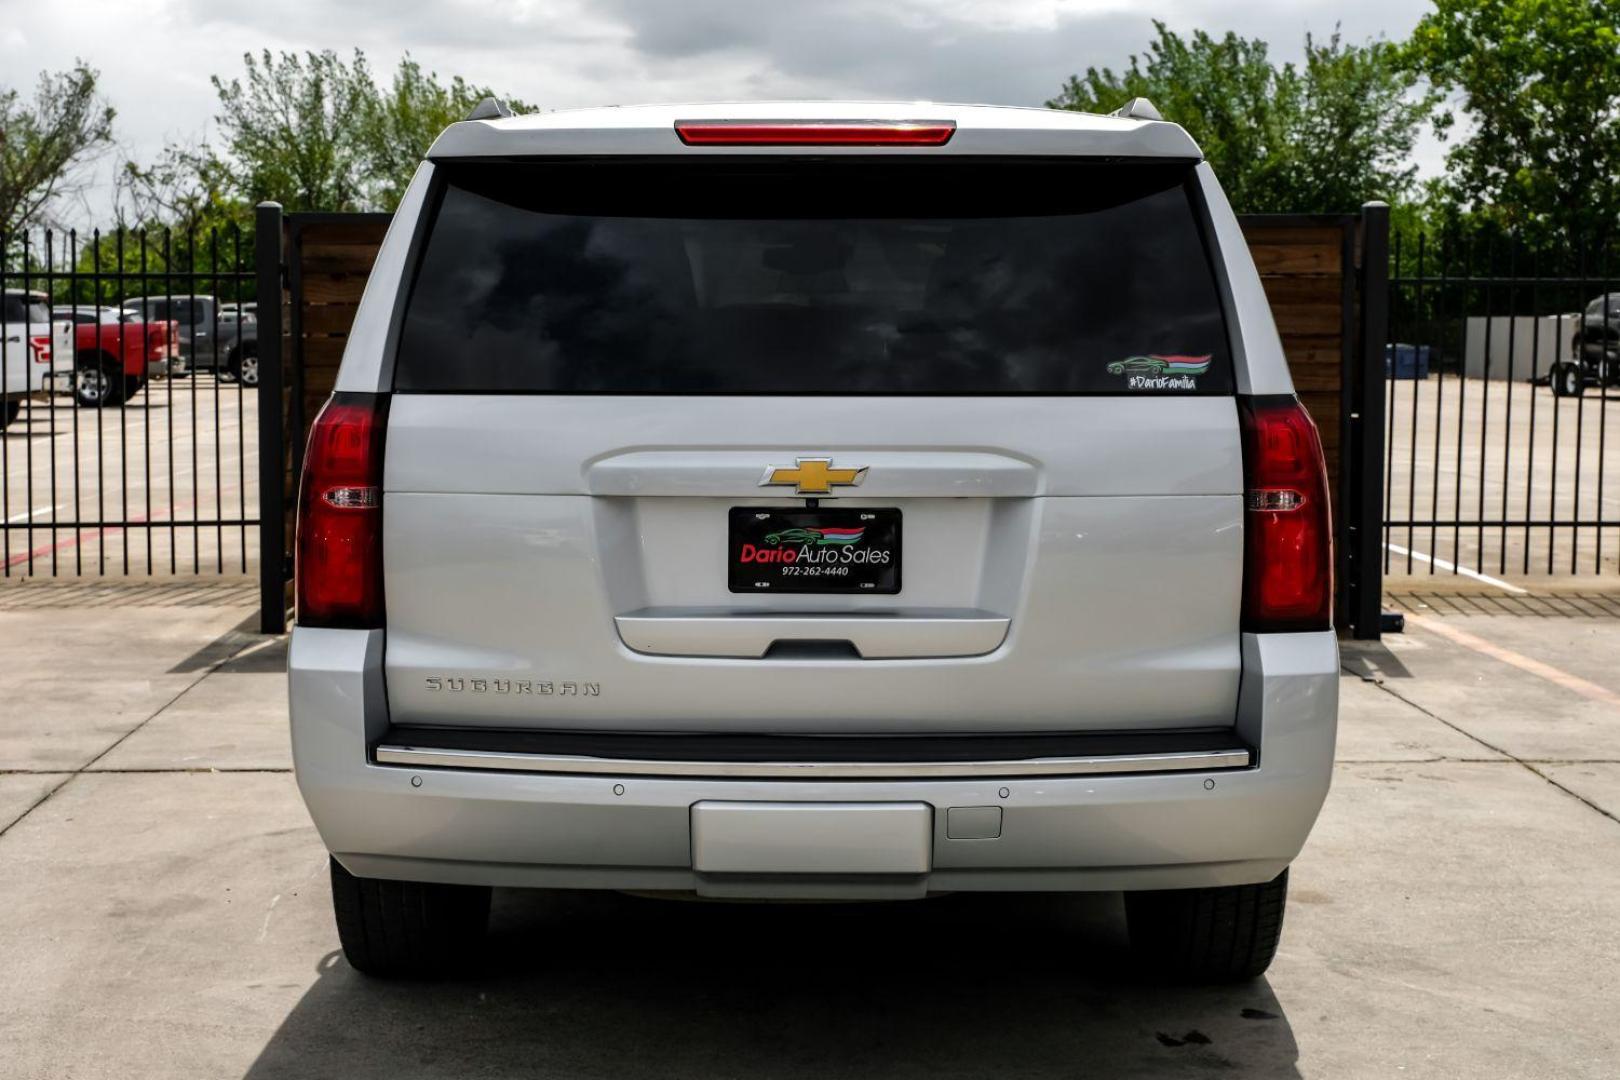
{"x":893,"y":635}
{"x":1197,"y":761}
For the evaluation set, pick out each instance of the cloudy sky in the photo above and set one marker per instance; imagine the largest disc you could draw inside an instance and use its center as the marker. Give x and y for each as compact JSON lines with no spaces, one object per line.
{"x":155,"y":56}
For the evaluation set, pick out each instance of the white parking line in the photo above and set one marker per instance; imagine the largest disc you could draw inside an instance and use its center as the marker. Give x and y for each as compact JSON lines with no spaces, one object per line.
{"x":26,"y":514}
{"x":1442,"y":564}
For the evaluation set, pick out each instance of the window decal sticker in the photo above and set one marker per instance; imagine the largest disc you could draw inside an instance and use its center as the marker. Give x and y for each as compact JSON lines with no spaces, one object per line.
{"x":1161,"y":372}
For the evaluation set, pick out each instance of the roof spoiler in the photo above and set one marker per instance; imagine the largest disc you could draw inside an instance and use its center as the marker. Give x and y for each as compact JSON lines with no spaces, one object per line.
{"x":1138,"y":108}
{"x":490,"y":109}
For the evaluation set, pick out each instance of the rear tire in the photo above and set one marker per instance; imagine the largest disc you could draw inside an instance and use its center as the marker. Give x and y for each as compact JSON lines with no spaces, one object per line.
{"x":1225,"y":934}
{"x":395,"y":929}
{"x":1567,"y":379}
{"x":244,"y":367}
{"x":8,"y":412}
{"x":102,"y":384}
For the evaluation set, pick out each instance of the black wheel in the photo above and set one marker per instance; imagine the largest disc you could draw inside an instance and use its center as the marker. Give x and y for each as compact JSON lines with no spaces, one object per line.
{"x":244,"y":367}
{"x":102,"y":383}
{"x":397,"y":929}
{"x":1567,"y":379}
{"x":1224,"y":934}
{"x":8,"y":412}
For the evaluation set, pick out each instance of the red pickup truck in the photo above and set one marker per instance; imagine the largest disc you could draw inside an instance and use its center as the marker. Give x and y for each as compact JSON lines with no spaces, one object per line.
{"x":113,"y":358}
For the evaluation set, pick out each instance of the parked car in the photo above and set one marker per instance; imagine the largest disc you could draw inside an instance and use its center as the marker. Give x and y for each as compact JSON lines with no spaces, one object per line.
{"x":235,"y":312}
{"x":114,"y":353}
{"x":814,"y":502}
{"x":34,"y":350}
{"x":1594,"y":350}
{"x":210,"y":339}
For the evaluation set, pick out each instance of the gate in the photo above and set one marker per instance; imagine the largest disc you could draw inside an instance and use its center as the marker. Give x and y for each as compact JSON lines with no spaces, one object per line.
{"x":1323,"y":274}
{"x":128,"y":371}
{"x":1498,"y":462}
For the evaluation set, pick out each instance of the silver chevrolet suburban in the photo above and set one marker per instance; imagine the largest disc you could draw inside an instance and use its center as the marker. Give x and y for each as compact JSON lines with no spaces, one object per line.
{"x":836,"y":501}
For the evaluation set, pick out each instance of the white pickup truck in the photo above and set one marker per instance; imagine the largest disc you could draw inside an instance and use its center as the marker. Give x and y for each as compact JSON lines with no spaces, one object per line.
{"x":33,"y":349}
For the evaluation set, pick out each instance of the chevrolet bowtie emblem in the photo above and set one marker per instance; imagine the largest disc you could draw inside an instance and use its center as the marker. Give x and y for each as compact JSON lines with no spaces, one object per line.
{"x":812,"y":476}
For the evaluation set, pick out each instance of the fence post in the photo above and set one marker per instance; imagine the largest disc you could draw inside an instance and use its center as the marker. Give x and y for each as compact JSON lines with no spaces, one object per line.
{"x":272,"y":431}
{"x":1364,"y":504}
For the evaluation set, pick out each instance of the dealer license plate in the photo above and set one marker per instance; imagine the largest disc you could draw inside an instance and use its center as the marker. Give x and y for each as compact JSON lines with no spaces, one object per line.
{"x":800,"y":550}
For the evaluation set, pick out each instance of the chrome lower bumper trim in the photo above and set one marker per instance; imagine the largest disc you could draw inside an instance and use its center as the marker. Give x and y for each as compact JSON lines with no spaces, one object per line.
{"x":494,"y":761}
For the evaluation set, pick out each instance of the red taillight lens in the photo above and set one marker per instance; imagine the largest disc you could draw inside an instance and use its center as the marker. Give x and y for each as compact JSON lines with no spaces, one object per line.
{"x":1287,"y":527}
{"x":338,"y":565}
{"x":42,"y":349}
{"x":815,"y":132}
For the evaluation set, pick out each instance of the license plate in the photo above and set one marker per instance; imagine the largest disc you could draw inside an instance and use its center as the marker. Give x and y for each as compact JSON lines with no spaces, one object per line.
{"x":795,"y":550}
{"x":812,"y":838}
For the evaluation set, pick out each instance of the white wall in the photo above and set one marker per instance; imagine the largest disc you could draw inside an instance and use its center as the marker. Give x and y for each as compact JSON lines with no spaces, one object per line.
{"x":1553,"y":332}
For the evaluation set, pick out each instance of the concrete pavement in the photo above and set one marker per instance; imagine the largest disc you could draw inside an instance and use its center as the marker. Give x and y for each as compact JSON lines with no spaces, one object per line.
{"x":1503,"y":451}
{"x":137,"y":477}
{"x":167,"y":912}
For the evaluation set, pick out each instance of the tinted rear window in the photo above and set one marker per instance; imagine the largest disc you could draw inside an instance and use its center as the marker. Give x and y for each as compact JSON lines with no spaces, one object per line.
{"x":149,"y":309}
{"x":21,"y":309}
{"x":814,"y":278}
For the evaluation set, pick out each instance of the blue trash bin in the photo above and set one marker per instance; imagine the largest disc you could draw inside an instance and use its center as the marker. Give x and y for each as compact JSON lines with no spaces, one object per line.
{"x":1403,"y":361}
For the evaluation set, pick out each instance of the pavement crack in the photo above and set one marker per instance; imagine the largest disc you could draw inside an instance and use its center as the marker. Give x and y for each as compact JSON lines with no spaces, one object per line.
{"x":1441,"y":760}
{"x":116,"y":743}
{"x":1529,"y":765}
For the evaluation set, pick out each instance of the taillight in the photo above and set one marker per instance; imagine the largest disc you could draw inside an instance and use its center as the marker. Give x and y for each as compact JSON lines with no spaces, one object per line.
{"x":338,"y":567}
{"x":815,"y":132}
{"x":1287,"y":527}
{"x":42,"y":349}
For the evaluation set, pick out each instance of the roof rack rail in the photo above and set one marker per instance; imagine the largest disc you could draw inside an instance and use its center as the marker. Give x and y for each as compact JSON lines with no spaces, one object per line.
{"x":490,"y":109}
{"x":1138,"y":108}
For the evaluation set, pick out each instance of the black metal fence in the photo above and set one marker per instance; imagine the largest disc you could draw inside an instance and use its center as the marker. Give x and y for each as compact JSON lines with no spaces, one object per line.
{"x":131,"y":437}
{"x":1500,"y":368}
{"x":128,"y":379}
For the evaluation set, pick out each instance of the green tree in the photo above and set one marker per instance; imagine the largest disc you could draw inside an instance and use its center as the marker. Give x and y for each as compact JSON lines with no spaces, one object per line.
{"x":45,"y":144}
{"x":1540,"y":82}
{"x":292,"y":130}
{"x":188,"y":188}
{"x":311,"y":131}
{"x":1325,"y":136}
{"x":183,"y":214}
{"x":403,"y":121}
{"x":130,"y":260}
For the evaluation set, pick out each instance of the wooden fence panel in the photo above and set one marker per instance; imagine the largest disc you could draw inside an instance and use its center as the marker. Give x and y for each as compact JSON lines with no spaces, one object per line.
{"x":1305,"y":266}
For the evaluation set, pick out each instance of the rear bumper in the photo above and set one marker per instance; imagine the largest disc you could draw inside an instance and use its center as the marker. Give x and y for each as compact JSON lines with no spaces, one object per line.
{"x":44,"y":377}
{"x":1084,"y":832}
